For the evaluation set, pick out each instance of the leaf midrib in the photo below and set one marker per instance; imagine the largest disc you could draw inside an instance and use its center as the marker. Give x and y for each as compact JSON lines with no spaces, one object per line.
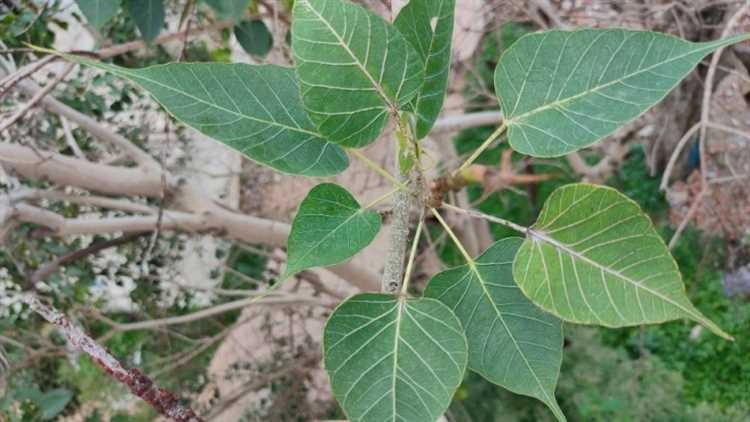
{"x":199,"y":100}
{"x":561,"y":102}
{"x":472,"y":264}
{"x":571,"y":252}
{"x":358,"y":213}
{"x":345,"y":46}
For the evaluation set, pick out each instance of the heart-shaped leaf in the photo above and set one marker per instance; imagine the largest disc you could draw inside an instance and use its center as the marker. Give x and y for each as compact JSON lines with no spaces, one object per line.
{"x":148,"y":16}
{"x":253,"y":109}
{"x":98,"y":12}
{"x":354,"y":69}
{"x":593,"y":257}
{"x":329,"y":228}
{"x":512,"y":343}
{"x":428,"y":26}
{"x":561,"y":91}
{"x":394,"y":359}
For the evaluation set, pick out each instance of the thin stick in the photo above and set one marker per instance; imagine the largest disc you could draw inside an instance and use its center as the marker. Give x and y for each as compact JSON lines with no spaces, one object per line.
{"x":493,"y":219}
{"x":486,"y":144}
{"x":36,"y":98}
{"x":412,"y":255}
{"x":377,"y":169}
{"x":164,"y":402}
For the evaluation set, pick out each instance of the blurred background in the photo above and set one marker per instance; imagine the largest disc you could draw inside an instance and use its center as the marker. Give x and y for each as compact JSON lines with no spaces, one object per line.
{"x":168,"y":299}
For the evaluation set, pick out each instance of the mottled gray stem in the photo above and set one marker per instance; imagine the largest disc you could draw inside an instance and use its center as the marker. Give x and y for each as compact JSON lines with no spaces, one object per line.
{"x":403,"y":202}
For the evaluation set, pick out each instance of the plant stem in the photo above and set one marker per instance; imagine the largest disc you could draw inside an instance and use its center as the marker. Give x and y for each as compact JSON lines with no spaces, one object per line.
{"x":486,"y":144}
{"x":412,"y":255}
{"x":377,"y":169}
{"x":403,"y":203}
{"x":475,"y":214}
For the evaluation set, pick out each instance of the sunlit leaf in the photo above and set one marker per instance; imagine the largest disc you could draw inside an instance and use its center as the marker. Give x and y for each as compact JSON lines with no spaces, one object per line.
{"x":561,"y":91}
{"x":98,"y":12}
{"x":428,"y":26}
{"x":254,"y":37}
{"x":253,"y":109}
{"x":512,"y":343}
{"x":394,"y":359}
{"x":354,"y":69}
{"x":593,"y":257}
{"x":148,"y":16}
{"x":329,"y":228}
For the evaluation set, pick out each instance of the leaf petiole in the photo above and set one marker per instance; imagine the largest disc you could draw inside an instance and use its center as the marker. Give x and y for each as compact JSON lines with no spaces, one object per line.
{"x":474,"y":214}
{"x":377,"y":168}
{"x":459,"y":245}
{"x":412,"y":255}
{"x":486,"y":144}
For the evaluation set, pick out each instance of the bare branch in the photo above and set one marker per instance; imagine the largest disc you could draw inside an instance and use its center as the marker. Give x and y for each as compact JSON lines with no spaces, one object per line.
{"x":164,"y":402}
{"x":68,"y":171}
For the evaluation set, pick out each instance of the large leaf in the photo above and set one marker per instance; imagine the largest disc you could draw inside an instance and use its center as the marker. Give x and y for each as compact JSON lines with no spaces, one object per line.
{"x":148,"y":16}
{"x":415,"y":21}
{"x":512,"y":343}
{"x":329,"y":228}
{"x":593,"y":257}
{"x":354,"y":69}
{"x":253,"y":109}
{"x":394,"y":359}
{"x":98,"y":12}
{"x":561,"y":91}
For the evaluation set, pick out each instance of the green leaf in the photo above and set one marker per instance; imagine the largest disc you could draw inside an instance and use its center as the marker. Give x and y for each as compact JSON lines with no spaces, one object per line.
{"x":415,"y":21}
{"x":253,"y":109}
{"x":98,"y":12}
{"x":394,"y":359}
{"x":354,"y":69}
{"x":512,"y":343}
{"x":254,"y":37}
{"x":561,"y":91}
{"x":229,"y":9}
{"x":329,"y":228}
{"x":593,"y":257}
{"x":148,"y":16}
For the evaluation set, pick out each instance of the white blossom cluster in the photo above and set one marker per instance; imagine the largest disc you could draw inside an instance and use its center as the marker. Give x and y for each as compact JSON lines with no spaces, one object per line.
{"x":11,"y":303}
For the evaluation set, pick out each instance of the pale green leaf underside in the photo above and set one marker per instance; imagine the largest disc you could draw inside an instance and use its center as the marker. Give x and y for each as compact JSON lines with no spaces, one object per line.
{"x":253,"y":109}
{"x":354,"y":69}
{"x":561,"y":91}
{"x":98,"y":12}
{"x":394,"y":359}
{"x":593,"y":257}
{"x":148,"y":16}
{"x":434,"y":47}
{"x":329,"y":228}
{"x":512,"y":343}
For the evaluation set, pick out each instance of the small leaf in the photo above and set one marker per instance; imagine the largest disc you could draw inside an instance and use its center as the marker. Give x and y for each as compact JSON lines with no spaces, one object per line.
{"x":229,"y":9}
{"x":415,"y":21}
{"x":394,"y":359}
{"x":329,"y":228}
{"x":254,"y":37}
{"x":562,"y":91}
{"x":253,"y":109}
{"x":512,"y":343}
{"x":593,"y":257}
{"x":98,"y":12}
{"x":148,"y":16}
{"x":354,"y":69}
